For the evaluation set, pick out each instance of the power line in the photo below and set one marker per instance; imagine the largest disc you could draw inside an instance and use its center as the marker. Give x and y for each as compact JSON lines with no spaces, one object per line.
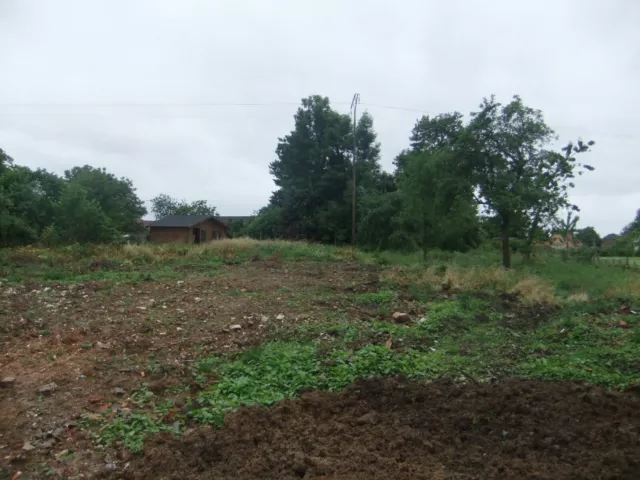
{"x":147,"y":114}
{"x":152,"y":104}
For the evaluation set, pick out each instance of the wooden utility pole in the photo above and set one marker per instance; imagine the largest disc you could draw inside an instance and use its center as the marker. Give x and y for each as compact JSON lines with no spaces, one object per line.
{"x":354,"y":108}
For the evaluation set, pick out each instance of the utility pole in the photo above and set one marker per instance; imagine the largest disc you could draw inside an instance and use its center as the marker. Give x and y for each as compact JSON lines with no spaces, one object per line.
{"x":354,"y":108}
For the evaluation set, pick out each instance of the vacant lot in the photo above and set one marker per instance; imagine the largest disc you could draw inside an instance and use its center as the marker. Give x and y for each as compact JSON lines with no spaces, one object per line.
{"x":276,"y":360}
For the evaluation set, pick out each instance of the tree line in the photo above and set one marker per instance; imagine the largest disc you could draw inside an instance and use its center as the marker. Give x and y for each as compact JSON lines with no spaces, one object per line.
{"x":85,"y":205}
{"x":459,"y":182}
{"x":492,"y":175}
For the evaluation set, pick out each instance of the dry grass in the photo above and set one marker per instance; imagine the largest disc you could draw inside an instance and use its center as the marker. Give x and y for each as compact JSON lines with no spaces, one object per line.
{"x":533,"y":292}
{"x":580,"y":297}
{"x":627,"y":291}
{"x":530,"y":291}
{"x":454,"y":279}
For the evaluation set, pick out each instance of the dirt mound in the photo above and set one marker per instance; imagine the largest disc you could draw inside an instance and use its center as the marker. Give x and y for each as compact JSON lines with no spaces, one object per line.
{"x":393,"y":429}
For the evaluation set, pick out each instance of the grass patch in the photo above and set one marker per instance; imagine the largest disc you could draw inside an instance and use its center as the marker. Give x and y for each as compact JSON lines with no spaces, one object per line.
{"x":375,"y":299}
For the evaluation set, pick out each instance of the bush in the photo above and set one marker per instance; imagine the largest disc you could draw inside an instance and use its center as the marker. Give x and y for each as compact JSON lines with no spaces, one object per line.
{"x":50,"y":237}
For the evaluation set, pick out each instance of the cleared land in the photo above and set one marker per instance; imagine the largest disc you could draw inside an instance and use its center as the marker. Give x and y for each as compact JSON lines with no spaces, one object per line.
{"x":275,"y":360}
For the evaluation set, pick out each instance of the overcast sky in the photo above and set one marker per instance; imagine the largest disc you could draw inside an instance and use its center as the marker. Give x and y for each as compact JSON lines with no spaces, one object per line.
{"x":129,"y":84}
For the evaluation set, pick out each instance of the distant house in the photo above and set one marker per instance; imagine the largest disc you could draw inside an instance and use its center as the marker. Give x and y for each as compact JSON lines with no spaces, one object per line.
{"x":609,"y":240}
{"x":187,"y":229}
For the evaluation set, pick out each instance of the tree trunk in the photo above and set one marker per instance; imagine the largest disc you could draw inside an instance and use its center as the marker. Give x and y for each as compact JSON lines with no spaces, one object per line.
{"x":533,"y":228}
{"x":506,"y":248}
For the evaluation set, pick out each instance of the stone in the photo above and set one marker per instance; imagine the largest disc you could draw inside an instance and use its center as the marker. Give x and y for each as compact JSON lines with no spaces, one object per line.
{"x":264,"y":319}
{"x":47,"y":444}
{"x":400,"y":317}
{"x":235,"y":327}
{"x":59,"y":433}
{"x":7,"y":382}
{"x":118,"y":391}
{"x":280,"y":316}
{"x":27,"y":447}
{"x":48,"y":389}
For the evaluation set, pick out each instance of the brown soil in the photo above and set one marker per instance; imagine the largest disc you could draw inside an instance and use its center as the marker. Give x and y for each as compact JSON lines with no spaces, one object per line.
{"x":101,"y":342}
{"x":94,"y":339}
{"x":389,"y":429}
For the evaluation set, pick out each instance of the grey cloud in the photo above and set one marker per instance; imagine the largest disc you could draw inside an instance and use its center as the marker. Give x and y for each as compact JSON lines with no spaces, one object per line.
{"x":83,"y":65}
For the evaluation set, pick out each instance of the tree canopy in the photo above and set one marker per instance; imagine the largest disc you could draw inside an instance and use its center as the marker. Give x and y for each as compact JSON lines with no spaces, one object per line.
{"x":164,"y":205}
{"x":87,"y":204}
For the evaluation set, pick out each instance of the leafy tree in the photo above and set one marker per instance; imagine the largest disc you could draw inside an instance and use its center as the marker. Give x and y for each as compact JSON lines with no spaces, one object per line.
{"x":5,"y":161}
{"x":437,"y":196}
{"x":268,"y":223}
{"x":568,"y":226}
{"x":116,"y":196}
{"x":163,"y":205}
{"x":589,"y":237}
{"x":237,"y":228}
{"x":383,"y":223}
{"x":432,"y":134}
{"x":514,"y":170}
{"x":632,"y":226}
{"x":81,"y":219}
{"x":313,"y":171}
{"x":26,"y":204}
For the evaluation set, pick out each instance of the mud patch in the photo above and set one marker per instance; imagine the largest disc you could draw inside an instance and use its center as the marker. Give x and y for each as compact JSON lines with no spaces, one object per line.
{"x":393,"y":429}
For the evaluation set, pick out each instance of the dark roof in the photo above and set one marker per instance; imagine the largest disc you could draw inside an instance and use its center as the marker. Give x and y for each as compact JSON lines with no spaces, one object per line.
{"x":226,"y":220}
{"x":182,"y":221}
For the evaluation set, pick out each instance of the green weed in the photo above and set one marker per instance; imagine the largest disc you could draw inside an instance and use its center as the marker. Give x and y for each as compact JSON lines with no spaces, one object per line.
{"x":375,"y":299}
{"x":130,"y":430}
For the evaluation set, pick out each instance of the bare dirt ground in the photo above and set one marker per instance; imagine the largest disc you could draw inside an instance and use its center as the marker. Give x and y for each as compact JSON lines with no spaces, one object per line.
{"x":89,"y":346}
{"x":393,"y":429}
{"x":70,"y":352}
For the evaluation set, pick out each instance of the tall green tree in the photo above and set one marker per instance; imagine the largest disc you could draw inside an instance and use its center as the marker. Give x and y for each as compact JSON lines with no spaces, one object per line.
{"x":439,"y":198}
{"x":589,"y":237}
{"x":27,"y":203}
{"x":164,"y":205}
{"x":515,"y":171}
{"x":313,"y":171}
{"x":431,"y":134}
{"x":268,"y":223}
{"x":634,"y":225}
{"x":81,"y":219}
{"x":384,"y":223}
{"x":5,"y":161}
{"x":116,"y":196}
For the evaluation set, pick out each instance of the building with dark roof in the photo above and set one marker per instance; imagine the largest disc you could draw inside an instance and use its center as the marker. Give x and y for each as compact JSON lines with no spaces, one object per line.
{"x":187,"y":229}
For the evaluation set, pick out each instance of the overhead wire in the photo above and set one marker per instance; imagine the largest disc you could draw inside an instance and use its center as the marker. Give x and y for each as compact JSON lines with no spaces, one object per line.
{"x":142,"y":106}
